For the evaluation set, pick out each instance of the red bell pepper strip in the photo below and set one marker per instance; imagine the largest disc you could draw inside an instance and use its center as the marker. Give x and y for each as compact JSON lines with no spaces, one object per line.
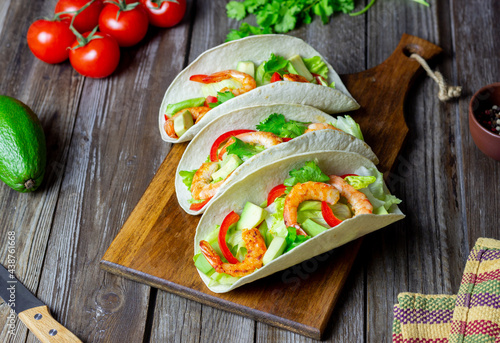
{"x":346,"y":175}
{"x":230,"y":219}
{"x":166,"y":117}
{"x":210,"y":99}
{"x":213,"y":151}
{"x":199,"y":206}
{"x":276,"y":77}
{"x":287,"y":139}
{"x":328,"y":215}
{"x":198,"y":78}
{"x":274,"y":193}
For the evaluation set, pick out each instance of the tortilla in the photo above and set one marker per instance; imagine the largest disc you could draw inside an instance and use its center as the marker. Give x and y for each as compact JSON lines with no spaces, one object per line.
{"x":256,"y":49}
{"x":247,"y":118}
{"x":255,"y":188}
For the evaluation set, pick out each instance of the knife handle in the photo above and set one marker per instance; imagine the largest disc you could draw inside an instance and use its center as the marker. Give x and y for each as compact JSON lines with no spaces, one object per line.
{"x":44,"y":327}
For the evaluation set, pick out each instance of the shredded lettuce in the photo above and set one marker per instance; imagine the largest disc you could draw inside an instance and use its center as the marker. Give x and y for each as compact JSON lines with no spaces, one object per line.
{"x":375,"y":191}
{"x":276,"y":224}
{"x":187,"y":177}
{"x":316,"y":66}
{"x":276,"y":123}
{"x":309,"y":172}
{"x":348,"y":125}
{"x":359,"y":182}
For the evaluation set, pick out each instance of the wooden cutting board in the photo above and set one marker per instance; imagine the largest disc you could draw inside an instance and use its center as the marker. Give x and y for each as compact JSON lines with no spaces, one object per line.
{"x":155,"y":245}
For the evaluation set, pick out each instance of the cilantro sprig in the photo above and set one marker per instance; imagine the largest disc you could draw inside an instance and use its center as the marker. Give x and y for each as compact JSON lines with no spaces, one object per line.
{"x":281,"y":16}
{"x":221,"y":98}
{"x":243,"y":150}
{"x":309,"y":172}
{"x":277,"y":124}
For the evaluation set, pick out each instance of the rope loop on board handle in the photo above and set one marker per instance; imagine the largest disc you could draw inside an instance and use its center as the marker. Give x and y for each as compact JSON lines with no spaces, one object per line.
{"x":446,"y":92}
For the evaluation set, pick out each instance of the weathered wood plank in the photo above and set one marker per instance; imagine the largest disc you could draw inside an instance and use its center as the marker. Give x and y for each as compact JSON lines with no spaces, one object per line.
{"x":53,"y":93}
{"x":476,"y":30}
{"x":413,"y":255}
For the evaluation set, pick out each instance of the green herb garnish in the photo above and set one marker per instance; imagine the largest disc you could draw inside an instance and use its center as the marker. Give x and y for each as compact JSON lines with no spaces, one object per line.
{"x":309,"y":172}
{"x":281,"y":16}
{"x":243,"y":150}
{"x":277,"y":124}
{"x":221,"y":98}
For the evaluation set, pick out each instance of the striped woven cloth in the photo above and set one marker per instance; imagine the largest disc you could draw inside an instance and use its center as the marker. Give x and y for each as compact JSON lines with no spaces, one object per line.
{"x":471,"y":316}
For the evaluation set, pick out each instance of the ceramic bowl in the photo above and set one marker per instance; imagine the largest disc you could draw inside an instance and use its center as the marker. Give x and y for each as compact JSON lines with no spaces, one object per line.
{"x":487,"y":141}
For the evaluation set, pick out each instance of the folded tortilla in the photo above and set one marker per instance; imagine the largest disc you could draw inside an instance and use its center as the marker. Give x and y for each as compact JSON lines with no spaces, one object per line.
{"x":256,"y":49}
{"x":247,"y":118}
{"x":255,"y":188}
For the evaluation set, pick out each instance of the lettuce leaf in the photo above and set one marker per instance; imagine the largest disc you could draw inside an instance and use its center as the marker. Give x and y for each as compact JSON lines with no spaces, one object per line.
{"x":276,"y":123}
{"x":359,"y":182}
{"x":309,"y":172}
{"x":348,"y":125}
{"x":375,"y":191}
{"x":317,"y":66}
{"x":187,"y":177}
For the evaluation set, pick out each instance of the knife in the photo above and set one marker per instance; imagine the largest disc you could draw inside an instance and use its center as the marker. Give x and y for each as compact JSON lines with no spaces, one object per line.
{"x":31,"y":311}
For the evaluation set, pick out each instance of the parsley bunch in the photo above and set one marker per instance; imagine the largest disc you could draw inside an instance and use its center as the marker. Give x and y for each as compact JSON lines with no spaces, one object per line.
{"x":281,"y":16}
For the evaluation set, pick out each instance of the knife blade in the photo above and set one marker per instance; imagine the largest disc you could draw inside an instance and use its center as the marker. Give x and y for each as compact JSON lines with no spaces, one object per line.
{"x":31,"y":310}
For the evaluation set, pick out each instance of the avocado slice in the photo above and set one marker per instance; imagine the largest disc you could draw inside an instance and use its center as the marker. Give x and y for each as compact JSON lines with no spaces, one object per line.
{"x":312,"y":228}
{"x":300,"y":67}
{"x":183,"y":122}
{"x":202,"y":264}
{"x":275,"y":249}
{"x":251,"y":216}
{"x":230,"y":163}
{"x":247,"y":67}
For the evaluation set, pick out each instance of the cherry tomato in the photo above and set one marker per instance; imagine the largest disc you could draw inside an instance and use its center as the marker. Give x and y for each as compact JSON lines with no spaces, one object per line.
{"x":49,"y":40}
{"x":165,"y":13}
{"x":97,"y":58}
{"x":127,"y":24}
{"x":87,"y":19}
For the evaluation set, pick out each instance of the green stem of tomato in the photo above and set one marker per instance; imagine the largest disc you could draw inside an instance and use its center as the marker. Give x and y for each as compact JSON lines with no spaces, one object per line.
{"x":82,"y":41}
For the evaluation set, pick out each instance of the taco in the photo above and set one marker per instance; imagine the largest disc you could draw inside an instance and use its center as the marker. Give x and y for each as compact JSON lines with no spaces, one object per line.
{"x":250,"y":71}
{"x":236,"y":143}
{"x":315,"y":203}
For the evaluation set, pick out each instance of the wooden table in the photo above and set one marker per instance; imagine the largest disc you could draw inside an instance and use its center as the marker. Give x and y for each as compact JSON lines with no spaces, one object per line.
{"x":104,"y":148}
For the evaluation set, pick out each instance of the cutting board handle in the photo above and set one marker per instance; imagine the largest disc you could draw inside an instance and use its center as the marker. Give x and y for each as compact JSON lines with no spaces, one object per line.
{"x":45,"y":327}
{"x":381,"y":92}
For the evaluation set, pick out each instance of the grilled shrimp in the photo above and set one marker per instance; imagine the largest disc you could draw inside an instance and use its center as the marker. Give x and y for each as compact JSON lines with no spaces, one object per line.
{"x":201,"y":188}
{"x":295,"y":78}
{"x":256,"y":248}
{"x":307,"y":191}
{"x":196,"y":112}
{"x":320,"y":126}
{"x":247,"y":82}
{"x":359,"y":202}
{"x":266,"y":139}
